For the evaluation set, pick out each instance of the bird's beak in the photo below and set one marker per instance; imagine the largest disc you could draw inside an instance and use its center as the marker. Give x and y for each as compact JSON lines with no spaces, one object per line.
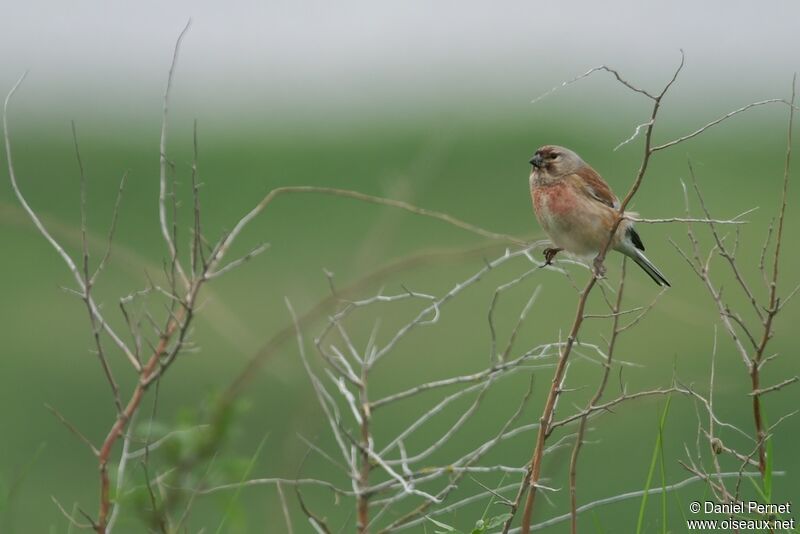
{"x":536,"y":160}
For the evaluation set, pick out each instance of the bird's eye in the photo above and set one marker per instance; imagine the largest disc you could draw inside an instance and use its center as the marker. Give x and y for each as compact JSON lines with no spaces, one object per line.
{"x":553,"y":155}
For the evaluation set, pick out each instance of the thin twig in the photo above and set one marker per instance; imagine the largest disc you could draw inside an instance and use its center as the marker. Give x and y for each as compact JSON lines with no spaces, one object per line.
{"x":285,"y":509}
{"x":73,"y":429}
{"x":162,"y":194}
{"x":776,"y":387}
{"x":573,"y":465}
{"x":632,"y":495}
{"x":50,"y":239}
{"x":719,"y":120}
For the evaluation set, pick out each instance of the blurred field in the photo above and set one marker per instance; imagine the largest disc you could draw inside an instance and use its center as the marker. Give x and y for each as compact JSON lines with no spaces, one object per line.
{"x":472,"y":165}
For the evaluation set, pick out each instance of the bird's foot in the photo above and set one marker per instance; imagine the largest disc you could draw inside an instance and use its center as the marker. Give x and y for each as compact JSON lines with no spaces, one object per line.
{"x":549,"y":254}
{"x":599,"y":268}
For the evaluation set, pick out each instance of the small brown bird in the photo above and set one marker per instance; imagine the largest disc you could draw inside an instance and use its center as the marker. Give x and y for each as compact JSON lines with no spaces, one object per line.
{"x":577,"y":209}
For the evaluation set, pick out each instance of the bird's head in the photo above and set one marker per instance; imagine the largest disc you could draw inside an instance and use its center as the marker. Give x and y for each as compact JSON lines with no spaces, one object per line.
{"x":552,"y":161}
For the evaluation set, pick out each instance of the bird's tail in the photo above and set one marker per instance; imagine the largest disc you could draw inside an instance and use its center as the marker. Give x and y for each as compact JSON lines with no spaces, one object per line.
{"x":642,"y":261}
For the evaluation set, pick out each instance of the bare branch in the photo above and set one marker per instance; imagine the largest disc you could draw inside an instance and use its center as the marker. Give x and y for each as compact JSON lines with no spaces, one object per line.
{"x":634,"y":135}
{"x":94,"y":310}
{"x":495,"y":297}
{"x":656,"y":490}
{"x":734,"y":220}
{"x":724,"y":251}
{"x":447,"y":509}
{"x":782,"y":211}
{"x":589,"y":73}
{"x":775,"y":387}
{"x":606,"y":405}
{"x":458,"y":288}
{"x":320,"y":308}
{"x":717,"y":121}
{"x":73,"y":522}
{"x":162,"y":192}
{"x":237,"y":262}
{"x":643,"y":313}
{"x":285,"y":508}
{"x":536,"y":353}
{"x":123,"y":464}
{"x":322,"y":394}
{"x":111,"y":230}
{"x":73,"y":429}
{"x":272,"y":482}
{"x":318,"y":524}
{"x":222,"y":247}
{"x":525,"y":309}
{"x":455,"y":427}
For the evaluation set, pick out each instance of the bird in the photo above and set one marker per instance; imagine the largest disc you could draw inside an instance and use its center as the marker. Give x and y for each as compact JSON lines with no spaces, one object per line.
{"x":577,"y":209}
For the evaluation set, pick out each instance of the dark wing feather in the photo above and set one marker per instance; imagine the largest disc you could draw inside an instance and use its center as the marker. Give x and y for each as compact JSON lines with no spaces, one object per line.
{"x":596,"y":187}
{"x":637,"y":241}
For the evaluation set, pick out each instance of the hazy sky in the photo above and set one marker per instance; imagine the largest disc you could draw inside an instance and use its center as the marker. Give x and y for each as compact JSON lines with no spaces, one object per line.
{"x":319,"y":55}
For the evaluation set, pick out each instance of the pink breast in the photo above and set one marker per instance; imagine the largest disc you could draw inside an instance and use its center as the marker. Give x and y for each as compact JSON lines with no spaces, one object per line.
{"x":554,"y":199}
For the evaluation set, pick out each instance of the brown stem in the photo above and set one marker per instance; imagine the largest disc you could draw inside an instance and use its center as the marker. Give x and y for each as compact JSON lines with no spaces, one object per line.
{"x":758,"y":419}
{"x":573,"y":463}
{"x":773,"y":308}
{"x":150,"y":369}
{"x":549,"y":407}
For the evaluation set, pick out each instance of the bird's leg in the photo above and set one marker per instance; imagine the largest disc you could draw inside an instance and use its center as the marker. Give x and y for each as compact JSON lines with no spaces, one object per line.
{"x":599,"y":268}
{"x":549,"y":254}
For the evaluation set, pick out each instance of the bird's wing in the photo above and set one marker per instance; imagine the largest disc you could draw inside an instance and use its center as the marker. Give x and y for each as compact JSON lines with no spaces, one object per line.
{"x":597,"y":188}
{"x":635,"y":239}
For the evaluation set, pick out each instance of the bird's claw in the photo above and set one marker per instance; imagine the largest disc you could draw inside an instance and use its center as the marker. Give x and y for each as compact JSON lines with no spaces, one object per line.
{"x":599,"y":268}
{"x":549,"y":254}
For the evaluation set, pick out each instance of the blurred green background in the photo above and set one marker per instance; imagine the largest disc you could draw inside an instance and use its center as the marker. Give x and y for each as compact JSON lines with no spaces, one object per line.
{"x":467,"y":156}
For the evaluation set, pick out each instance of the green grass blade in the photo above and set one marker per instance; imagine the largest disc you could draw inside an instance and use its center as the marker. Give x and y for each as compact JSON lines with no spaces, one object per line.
{"x":245,"y":476}
{"x":663,"y":478}
{"x":598,"y":527}
{"x":14,"y":486}
{"x":653,"y":461}
{"x":768,"y":465}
